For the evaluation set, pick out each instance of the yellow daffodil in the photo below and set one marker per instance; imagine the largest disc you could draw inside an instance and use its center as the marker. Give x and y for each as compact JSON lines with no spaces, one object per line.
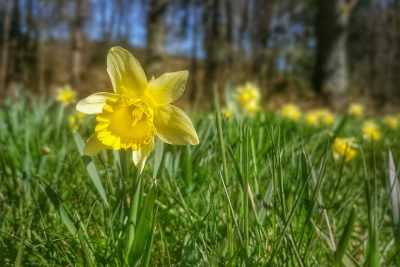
{"x":138,"y":110}
{"x":371,"y":131}
{"x":75,"y":120}
{"x":391,"y":121}
{"x":320,"y":116}
{"x":312,"y":118}
{"x":344,"y":148}
{"x":356,"y":110}
{"x":247,"y":94}
{"x":227,"y":113}
{"x":291,"y":112}
{"x":251,"y":108}
{"x":66,"y":95}
{"x":326,"y":117}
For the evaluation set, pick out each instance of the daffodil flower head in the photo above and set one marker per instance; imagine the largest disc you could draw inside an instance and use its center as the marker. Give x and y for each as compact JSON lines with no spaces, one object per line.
{"x":227,"y":112}
{"x":344,"y":148}
{"x":312,"y":118}
{"x":66,"y":95}
{"x":251,"y":108}
{"x":371,"y":131}
{"x":248,"y":94}
{"x":291,"y":112}
{"x":326,"y":117}
{"x":75,"y":120}
{"x":391,"y":121}
{"x":356,"y":110}
{"x":138,"y":110}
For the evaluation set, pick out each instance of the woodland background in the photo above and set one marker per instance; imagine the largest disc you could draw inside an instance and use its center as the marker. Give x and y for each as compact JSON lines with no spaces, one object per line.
{"x":314,"y":50}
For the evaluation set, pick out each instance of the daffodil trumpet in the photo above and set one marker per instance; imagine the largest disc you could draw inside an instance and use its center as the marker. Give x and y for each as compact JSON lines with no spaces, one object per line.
{"x":138,"y":110}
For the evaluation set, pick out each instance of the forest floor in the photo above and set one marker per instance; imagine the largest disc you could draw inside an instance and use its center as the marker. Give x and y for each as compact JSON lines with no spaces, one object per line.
{"x":261,"y":191}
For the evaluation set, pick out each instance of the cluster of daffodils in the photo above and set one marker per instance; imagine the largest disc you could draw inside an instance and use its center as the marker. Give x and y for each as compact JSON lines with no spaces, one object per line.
{"x":344,"y":149}
{"x":248,"y":98}
{"x":357,"y":110}
{"x":315,"y":117}
{"x":138,"y":110}
{"x":291,"y":112}
{"x":370,"y":131}
{"x":319,"y":117}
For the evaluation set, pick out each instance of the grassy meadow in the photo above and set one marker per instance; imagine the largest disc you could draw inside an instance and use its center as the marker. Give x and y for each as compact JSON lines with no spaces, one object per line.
{"x":257,"y":191}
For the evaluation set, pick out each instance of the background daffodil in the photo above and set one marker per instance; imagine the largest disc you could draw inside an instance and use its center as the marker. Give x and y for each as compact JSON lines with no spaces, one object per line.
{"x":66,"y":95}
{"x":326,"y":117}
{"x":248,"y":98}
{"x":227,"y":112}
{"x":138,"y":110}
{"x":75,"y":120}
{"x":344,"y":148}
{"x":248,"y":93}
{"x":312,"y":118}
{"x":391,"y":121}
{"x":371,"y":131}
{"x":356,"y":110}
{"x":291,"y":112}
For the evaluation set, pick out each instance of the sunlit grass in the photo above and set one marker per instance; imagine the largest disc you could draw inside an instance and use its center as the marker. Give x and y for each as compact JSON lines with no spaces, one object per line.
{"x":256,"y":191}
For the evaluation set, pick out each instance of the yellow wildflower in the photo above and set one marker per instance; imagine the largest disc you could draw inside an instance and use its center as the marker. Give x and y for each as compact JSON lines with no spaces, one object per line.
{"x":312,"y":118}
{"x":391,"y":121}
{"x":291,"y":112}
{"x":247,"y":94}
{"x":344,"y":148}
{"x":371,"y":131}
{"x":251,"y":108}
{"x":138,"y":110}
{"x":66,"y":95}
{"x":326,"y":117}
{"x":75,"y":120}
{"x":320,"y":116}
{"x":356,"y":110}
{"x":227,"y":113}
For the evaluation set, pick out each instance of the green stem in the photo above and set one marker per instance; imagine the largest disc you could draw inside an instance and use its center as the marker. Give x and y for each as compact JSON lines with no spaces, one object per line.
{"x":60,"y":119}
{"x":133,"y":217}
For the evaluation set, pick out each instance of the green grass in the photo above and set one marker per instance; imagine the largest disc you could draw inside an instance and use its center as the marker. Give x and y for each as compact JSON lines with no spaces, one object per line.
{"x":255,"y":192}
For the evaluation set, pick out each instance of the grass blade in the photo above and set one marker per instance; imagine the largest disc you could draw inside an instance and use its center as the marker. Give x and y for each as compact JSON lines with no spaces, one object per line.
{"x":345,"y":238}
{"x":91,"y":169}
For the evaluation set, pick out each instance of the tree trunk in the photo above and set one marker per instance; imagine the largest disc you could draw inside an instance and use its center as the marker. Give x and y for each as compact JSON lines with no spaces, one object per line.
{"x":195,"y":89}
{"x":262,"y":13}
{"x":214,"y":38}
{"x":78,"y":41}
{"x":155,"y":35}
{"x":331,"y":70}
{"x":229,"y":11}
{"x":6,"y":45}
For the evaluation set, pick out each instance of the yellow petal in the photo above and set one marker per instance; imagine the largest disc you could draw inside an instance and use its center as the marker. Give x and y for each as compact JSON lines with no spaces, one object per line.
{"x":126,"y":74}
{"x":173,"y":126}
{"x":93,"y":146}
{"x":168,"y":87}
{"x":140,"y":156}
{"x":93,"y":104}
